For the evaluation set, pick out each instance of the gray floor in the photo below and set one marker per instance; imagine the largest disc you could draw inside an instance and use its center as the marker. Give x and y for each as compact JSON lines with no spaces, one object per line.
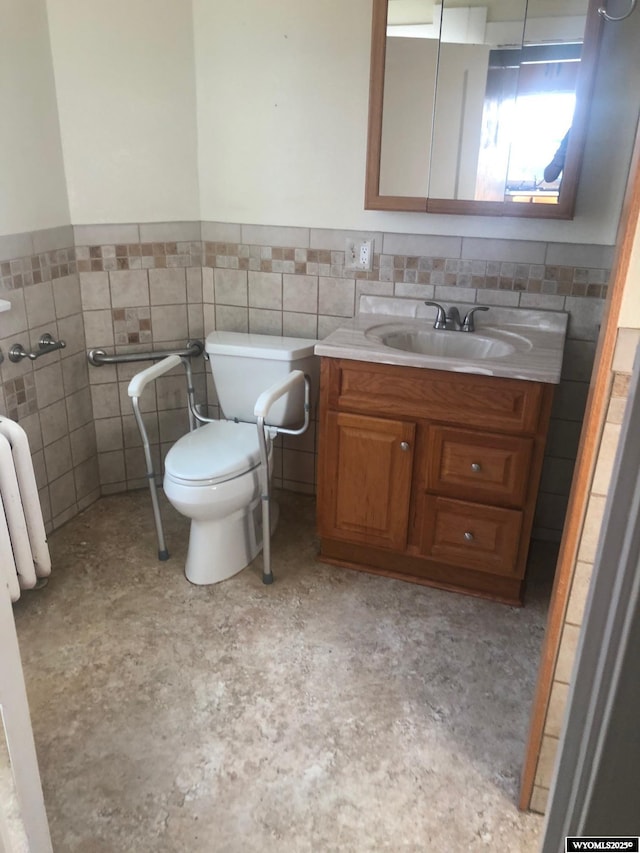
{"x":332,"y":711}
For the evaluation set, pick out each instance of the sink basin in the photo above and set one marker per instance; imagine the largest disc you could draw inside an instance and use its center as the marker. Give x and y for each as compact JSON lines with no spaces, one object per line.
{"x":447,"y":344}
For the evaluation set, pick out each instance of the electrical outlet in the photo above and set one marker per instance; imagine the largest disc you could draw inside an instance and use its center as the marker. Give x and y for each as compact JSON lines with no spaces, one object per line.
{"x":358,"y":255}
{"x":365,"y":253}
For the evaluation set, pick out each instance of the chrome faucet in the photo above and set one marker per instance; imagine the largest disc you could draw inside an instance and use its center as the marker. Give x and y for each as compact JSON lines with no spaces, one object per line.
{"x":443,"y":321}
{"x":451,"y":321}
{"x":468,"y":324}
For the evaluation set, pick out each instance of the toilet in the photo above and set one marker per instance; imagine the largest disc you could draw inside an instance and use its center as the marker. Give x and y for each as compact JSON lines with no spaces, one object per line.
{"x":212,"y":475}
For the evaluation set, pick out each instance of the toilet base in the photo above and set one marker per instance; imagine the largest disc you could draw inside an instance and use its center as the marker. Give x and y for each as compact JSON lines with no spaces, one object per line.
{"x":219,"y":549}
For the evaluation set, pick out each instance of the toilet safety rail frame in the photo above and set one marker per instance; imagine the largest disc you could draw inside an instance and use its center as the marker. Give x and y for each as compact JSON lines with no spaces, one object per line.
{"x":194,"y":348}
{"x":266,"y":432}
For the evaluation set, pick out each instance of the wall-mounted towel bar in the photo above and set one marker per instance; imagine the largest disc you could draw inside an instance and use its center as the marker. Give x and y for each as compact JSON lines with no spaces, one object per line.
{"x":98,"y":357}
{"x":45,"y":344}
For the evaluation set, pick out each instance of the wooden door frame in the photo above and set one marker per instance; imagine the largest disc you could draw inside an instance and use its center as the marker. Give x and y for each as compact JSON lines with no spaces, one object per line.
{"x":588,"y":449}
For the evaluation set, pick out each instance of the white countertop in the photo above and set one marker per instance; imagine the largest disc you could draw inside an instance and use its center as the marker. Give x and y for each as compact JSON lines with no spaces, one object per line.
{"x":538,"y":338}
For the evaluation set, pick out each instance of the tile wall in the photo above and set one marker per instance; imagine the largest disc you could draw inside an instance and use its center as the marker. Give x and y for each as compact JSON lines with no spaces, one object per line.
{"x":140,"y":296}
{"x":157,"y":285}
{"x":50,"y":397}
{"x":293,"y":281}
{"x":627,"y":344}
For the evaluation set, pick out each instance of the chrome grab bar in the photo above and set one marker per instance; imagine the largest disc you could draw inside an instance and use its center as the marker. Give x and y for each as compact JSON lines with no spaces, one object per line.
{"x":45,"y":344}
{"x":98,"y":357}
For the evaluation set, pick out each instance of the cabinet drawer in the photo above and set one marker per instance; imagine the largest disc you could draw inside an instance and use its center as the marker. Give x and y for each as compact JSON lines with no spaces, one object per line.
{"x":478,"y":537}
{"x":478,"y":466}
{"x":488,"y":402}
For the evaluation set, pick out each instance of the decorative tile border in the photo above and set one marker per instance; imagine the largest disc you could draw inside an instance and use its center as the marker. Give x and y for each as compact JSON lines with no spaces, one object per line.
{"x":20,"y":397}
{"x":413,"y":269}
{"x":553,"y":280}
{"x":136,"y":256}
{"x":47,"y":266}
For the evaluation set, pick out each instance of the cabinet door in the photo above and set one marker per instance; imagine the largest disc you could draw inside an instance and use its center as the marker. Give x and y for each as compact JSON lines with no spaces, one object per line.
{"x":366,"y":479}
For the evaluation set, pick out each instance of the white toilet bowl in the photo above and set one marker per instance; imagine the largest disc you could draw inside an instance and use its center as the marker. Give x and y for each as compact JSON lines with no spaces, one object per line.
{"x":212,"y":477}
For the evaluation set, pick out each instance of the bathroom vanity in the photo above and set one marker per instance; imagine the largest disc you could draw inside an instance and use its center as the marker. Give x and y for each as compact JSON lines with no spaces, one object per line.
{"x":430,"y":455}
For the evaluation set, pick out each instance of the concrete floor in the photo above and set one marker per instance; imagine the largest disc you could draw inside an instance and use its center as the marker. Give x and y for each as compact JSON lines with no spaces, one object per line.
{"x":332,"y":711}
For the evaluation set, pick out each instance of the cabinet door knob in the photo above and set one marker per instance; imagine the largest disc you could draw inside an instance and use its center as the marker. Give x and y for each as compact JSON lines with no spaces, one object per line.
{"x":404,"y":445}
{"x":468,"y":536}
{"x":476,"y":466}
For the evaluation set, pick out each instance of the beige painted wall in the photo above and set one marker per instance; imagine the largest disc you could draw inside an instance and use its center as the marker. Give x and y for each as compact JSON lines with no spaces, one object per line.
{"x":32,"y":183}
{"x":282,"y":100}
{"x":124,"y":75}
{"x":282,"y":110}
{"x":282,"y":124}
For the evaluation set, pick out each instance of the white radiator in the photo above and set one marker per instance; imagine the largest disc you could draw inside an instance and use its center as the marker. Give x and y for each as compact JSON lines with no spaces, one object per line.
{"x":24,"y":553}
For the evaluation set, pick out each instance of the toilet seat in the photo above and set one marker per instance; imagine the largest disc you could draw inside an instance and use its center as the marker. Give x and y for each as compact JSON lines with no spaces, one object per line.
{"x":214,"y":453}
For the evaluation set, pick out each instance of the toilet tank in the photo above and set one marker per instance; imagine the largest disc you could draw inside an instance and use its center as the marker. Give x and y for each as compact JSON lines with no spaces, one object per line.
{"x":244,"y":365}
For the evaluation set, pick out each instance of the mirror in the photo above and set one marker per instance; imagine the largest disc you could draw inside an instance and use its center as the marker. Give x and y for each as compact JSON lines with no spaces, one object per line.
{"x":479,"y":106}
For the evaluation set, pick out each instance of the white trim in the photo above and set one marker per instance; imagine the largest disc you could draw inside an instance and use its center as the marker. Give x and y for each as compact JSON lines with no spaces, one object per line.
{"x":17,"y":724}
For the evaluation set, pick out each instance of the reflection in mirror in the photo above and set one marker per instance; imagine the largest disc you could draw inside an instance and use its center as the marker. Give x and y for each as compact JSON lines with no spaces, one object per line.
{"x":411,"y":65}
{"x":545,"y":101}
{"x":474,"y":107}
{"x":477,"y":98}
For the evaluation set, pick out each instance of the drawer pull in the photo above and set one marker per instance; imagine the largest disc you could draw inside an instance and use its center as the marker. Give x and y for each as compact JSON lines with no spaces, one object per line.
{"x":404,"y":445}
{"x":476,"y":466}
{"x":468,"y":536}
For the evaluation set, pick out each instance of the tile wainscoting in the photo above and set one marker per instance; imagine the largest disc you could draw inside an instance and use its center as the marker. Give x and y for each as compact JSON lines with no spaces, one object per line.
{"x":49,"y":397}
{"x":135,"y":287}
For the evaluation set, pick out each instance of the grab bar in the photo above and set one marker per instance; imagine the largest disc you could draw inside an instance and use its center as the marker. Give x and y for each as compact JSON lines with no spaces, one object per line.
{"x":135,"y":389}
{"x":98,"y":357}
{"x":263,"y":404}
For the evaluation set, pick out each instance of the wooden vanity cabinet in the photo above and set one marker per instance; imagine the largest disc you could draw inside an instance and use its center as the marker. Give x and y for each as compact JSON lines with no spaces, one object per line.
{"x":430,"y":476}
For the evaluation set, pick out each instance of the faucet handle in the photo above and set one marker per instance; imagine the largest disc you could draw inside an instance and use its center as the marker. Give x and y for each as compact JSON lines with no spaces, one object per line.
{"x":467,"y":323}
{"x":441,"y":317}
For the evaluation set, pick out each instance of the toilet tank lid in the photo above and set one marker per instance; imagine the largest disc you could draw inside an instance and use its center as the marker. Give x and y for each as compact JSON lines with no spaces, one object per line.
{"x":247,"y":345}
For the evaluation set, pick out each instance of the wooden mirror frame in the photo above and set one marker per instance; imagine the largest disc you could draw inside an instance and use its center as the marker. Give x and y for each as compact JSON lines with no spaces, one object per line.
{"x":564,"y":209}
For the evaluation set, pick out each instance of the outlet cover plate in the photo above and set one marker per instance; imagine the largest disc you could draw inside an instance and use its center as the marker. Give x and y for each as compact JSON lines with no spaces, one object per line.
{"x":358,"y":254}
